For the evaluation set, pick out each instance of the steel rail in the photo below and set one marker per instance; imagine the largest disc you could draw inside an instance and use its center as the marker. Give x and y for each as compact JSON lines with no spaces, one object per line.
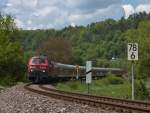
{"x":132,"y":106}
{"x":139,"y":104}
{"x":101,"y":98}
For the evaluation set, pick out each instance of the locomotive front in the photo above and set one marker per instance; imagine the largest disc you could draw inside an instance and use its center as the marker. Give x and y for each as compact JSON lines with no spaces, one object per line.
{"x":38,"y":68}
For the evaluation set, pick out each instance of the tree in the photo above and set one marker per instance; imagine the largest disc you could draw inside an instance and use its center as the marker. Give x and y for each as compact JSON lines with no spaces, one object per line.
{"x":10,"y":49}
{"x":99,"y":40}
{"x":142,"y":37}
{"x":57,"y":49}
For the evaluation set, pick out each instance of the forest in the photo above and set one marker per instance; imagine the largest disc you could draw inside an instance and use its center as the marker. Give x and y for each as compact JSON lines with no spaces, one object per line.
{"x":104,"y":42}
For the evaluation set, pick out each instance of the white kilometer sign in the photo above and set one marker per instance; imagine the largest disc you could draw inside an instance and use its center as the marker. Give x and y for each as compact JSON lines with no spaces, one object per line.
{"x":88,"y":72}
{"x":132,"y":51}
{"x":132,"y":55}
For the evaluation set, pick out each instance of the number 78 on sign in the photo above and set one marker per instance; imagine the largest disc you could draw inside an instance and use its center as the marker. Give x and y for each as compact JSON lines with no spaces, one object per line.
{"x":132,"y":51}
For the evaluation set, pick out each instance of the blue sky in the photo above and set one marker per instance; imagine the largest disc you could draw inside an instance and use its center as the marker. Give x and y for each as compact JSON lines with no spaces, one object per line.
{"x":43,"y":14}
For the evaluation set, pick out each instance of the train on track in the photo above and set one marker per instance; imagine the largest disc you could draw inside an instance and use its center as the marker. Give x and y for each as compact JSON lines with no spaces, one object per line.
{"x":40,"y":68}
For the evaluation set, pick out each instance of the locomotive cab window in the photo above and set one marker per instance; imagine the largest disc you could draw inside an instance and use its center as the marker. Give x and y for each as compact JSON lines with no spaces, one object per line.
{"x":38,"y":61}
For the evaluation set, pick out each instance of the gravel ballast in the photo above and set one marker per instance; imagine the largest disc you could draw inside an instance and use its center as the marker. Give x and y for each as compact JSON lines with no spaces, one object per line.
{"x":18,"y":100}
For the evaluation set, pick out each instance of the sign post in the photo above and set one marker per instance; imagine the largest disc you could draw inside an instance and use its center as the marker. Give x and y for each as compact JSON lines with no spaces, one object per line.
{"x":132,"y":56}
{"x":88,"y":74}
{"x":77,"y":70}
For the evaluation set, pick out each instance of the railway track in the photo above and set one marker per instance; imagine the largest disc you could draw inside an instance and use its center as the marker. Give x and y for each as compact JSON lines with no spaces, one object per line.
{"x":121,"y":105}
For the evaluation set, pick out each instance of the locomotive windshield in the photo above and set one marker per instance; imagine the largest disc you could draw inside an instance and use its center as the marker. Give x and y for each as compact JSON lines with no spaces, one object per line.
{"x":38,"y":61}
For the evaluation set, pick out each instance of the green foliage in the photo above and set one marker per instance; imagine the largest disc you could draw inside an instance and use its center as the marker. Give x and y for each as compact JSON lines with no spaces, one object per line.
{"x":100,"y":40}
{"x":141,"y":35}
{"x":7,"y":80}
{"x":10,"y":51}
{"x":112,"y":79}
{"x":141,"y":91}
{"x":103,"y":63}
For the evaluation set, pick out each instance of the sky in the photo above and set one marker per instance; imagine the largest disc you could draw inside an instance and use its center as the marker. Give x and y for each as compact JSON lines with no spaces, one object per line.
{"x":57,"y":14}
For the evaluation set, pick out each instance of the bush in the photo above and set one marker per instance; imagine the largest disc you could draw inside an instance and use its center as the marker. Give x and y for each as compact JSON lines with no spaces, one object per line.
{"x":7,"y":81}
{"x":141,"y":92}
{"x":112,"y":79}
{"x":102,"y":63}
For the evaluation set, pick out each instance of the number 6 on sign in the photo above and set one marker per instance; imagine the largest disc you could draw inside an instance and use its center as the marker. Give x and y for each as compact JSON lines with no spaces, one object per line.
{"x":132,"y":51}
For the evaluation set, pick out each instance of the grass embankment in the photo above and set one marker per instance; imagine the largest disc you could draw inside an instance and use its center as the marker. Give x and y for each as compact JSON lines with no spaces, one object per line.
{"x":115,"y":87}
{"x":103,"y":87}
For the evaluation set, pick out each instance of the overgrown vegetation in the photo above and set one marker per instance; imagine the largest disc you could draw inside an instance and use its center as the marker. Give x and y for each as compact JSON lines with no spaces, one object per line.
{"x":141,"y":91}
{"x":11,"y":54}
{"x":112,"y":79}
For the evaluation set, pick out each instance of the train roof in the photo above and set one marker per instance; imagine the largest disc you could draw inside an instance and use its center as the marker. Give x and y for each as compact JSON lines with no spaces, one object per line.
{"x":44,"y":57}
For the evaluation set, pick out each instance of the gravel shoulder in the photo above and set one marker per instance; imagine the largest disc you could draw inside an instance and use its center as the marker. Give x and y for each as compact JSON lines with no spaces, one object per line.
{"x":18,"y":100}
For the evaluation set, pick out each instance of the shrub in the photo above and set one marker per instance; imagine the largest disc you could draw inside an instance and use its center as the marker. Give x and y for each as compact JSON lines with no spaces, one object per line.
{"x":112,"y":79}
{"x":141,"y":92}
{"x":7,"y":81}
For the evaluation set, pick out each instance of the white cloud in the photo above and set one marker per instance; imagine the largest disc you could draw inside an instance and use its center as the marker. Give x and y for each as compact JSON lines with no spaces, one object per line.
{"x":19,"y":23}
{"x":29,"y":22}
{"x":112,"y":11}
{"x":73,"y":24}
{"x":128,"y":9}
{"x":32,"y":28}
{"x":55,"y":13}
{"x":60,"y":13}
{"x":143,"y":7}
{"x":14,"y":2}
{"x":8,"y":4}
{"x":44,"y":12}
{"x":75,"y":17}
{"x":30,"y":3}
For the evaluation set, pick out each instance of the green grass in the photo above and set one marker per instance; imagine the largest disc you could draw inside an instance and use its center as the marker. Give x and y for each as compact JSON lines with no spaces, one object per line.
{"x":98,"y":87}
{"x":121,"y":90}
{"x":101,"y":87}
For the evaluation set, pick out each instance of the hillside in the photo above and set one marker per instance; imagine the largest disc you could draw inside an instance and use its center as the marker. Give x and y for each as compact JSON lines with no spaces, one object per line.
{"x":100,"y":40}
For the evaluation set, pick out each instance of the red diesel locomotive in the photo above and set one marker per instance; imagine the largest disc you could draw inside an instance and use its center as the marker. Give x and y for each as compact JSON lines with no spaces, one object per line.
{"x":39,"y":68}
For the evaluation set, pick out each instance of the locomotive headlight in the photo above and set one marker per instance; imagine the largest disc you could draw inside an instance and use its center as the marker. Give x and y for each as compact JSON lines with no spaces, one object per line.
{"x":43,"y":70}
